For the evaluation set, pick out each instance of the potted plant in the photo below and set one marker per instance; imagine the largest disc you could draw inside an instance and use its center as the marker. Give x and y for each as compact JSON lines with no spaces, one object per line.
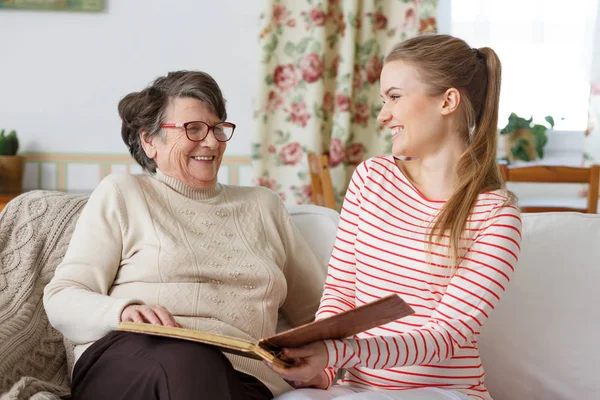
{"x":525,"y":140}
{"x":11,"y":165}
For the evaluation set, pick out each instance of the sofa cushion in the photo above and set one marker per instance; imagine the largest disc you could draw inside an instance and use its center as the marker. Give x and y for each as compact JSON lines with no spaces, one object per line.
{"x":542,"y":340}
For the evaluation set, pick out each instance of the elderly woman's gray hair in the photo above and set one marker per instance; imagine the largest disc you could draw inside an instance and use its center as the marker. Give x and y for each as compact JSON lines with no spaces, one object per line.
{"x":144,"y":111}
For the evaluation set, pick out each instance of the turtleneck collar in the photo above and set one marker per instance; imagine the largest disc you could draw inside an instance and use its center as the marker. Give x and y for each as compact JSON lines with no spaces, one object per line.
{"x":188,"y":191}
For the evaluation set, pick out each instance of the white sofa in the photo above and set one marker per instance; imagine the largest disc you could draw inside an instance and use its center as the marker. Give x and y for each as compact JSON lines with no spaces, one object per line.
{"x":543,"y":340}
{"x":540,"y":344}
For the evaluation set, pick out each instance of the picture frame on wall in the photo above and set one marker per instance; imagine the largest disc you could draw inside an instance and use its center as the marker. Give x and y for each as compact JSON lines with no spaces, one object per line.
{"x":56,"y":5}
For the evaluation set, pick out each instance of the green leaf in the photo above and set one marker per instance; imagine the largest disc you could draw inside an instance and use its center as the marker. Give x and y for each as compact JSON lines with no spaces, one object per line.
{"x":332,"y":40}
{"x":519,"y":150}
{"x":344,"y":79}
{"x":539,"y":130}
{"x":375,"y":109}
{"x":515,"y":122}
{"x":539,"y":141}
{"x":302,"y":175}
{"x":550,"y":121}
{"x":352,"y":20}
{"x":301,"y":47}
{"x":269,"y":80}
{"x":283,"y":139}
{"x":367,"y":48}
{"x":3,"y":146}
{"x":256,"y":151}
{"x":317,"y":110}
{"x":290,"y":49}
{"x":316,"y":47}
{"x":12,"y":143}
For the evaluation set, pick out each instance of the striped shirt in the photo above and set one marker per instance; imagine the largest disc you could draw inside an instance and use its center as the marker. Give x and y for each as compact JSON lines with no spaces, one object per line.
{"x":382,"y":248}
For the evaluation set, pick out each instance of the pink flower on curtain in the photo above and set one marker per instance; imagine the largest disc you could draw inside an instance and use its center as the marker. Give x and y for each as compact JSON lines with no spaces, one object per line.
{"x":357,"y":80}
{"x":279,"y":14}
{"x":361,"y":114}
{"x":410,"y":19}
{"x":595,"y":89}
{"x":318,"y":17}
{"x":337,"y":153}
{"x":343,"y":102}
{"x":291,"y":154}
{"x":373,"y":69}
{"x":266,"y":182}
{"x":379,"y":21}
{"x":285,"y":77}
{"x":355,"y":153}
{"x":271,"y":184}
{"x":302,"y":194}
{"x":299,"y":115}
{"x":316,"y":89}
{"x":274,"y":102}
{"x":311,"y":67}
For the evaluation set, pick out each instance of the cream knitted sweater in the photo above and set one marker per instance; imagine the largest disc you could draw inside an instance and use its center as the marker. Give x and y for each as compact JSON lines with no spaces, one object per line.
{"x":222,"y":260}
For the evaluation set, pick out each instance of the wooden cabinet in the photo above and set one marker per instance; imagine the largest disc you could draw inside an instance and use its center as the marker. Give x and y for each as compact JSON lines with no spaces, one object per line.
{"x":5,"y":198}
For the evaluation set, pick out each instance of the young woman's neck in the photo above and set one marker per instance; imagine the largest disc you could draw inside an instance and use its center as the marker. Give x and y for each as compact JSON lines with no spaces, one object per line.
{"x":434,"y":174}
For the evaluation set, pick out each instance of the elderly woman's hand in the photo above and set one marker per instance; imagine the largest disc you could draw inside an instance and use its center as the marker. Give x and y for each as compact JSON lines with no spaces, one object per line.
{"x":310,"y":361}
{"x":156,"y":315}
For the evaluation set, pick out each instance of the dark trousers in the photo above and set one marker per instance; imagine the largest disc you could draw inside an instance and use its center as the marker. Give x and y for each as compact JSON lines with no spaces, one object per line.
{"x":131,"y":366}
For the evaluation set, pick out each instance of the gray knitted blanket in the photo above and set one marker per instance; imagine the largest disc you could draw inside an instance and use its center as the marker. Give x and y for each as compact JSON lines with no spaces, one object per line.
{"x":35,"y":229}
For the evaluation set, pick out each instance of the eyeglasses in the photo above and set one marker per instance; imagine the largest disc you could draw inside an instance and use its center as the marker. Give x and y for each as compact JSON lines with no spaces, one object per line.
{"x":196,"y":131}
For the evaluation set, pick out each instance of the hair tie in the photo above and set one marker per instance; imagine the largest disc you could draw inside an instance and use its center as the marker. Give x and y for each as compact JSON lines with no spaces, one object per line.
{"x":477,"y":53}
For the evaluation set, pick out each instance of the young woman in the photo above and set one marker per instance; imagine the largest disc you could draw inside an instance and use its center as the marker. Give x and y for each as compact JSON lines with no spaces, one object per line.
{"x":432,"y":223}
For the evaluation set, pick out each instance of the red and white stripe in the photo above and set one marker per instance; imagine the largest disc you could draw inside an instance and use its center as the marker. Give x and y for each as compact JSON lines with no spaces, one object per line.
{"x":382,"y":248}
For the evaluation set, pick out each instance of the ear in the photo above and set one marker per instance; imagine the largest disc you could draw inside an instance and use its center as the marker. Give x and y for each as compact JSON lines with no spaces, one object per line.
{"x":451,"y":101}
{"x":148,"y":145}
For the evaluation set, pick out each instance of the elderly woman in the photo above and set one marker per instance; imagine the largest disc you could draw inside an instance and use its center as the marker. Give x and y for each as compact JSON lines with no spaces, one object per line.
{"x":174,"y":247}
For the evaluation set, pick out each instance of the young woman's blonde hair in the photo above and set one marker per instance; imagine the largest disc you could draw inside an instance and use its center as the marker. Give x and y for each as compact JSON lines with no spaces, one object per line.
{"x":445,"y":62}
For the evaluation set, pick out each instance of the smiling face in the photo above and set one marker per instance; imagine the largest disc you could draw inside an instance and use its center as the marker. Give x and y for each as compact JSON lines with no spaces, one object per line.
{"x":414,"y":117}
{"x":194,"y":163}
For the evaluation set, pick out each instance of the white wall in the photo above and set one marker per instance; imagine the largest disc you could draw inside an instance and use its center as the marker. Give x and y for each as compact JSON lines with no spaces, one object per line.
{"x":63,"y":73}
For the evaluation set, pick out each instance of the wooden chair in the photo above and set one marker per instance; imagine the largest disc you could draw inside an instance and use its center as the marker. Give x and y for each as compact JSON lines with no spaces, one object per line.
{"x":320,"y":180}
{"x":556,"y":174}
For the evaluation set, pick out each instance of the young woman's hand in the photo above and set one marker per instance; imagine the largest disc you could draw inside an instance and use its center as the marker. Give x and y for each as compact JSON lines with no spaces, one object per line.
{"x":310,"y":361}
{"x":318,"y":382}
{"x":156,"y":315}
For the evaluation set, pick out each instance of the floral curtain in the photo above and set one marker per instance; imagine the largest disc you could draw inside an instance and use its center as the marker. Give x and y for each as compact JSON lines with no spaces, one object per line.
{"x":592,"y":134}
{"x":321,"y":62}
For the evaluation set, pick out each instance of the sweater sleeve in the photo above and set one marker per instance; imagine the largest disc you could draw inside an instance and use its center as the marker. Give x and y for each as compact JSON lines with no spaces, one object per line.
{"x":76,"y":299}
{"x":470,"y":297}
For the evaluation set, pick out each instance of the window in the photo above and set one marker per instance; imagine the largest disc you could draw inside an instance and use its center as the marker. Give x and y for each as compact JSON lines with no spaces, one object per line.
{"x":546,"y":52}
